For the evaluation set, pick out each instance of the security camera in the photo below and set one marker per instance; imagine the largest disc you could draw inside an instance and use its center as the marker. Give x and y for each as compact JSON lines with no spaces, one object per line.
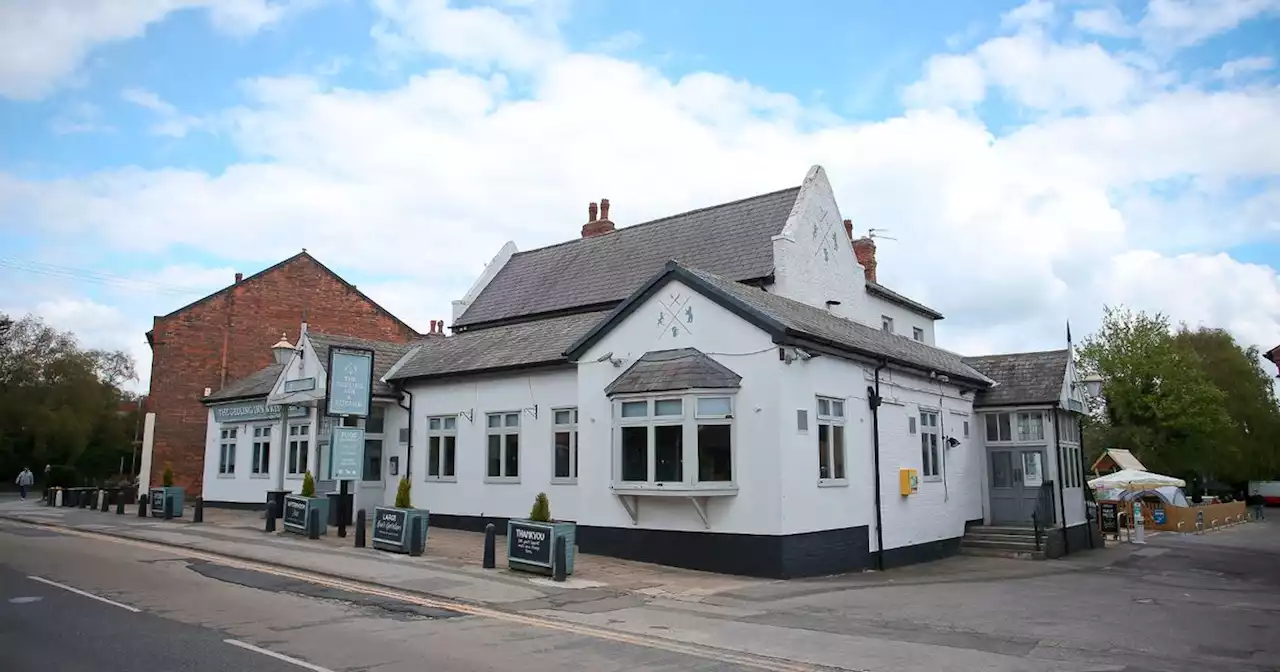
{"x":605,"y":357}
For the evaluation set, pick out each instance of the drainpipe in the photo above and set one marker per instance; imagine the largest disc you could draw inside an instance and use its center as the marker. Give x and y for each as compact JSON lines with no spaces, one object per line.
{"x":873,"y":400}
{"x":408,"y":451}
{"x":1062,"y":477}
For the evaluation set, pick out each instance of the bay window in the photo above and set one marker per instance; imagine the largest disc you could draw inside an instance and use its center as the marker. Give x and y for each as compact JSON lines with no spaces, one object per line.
{"x":674,"y":441}
{"x":442,"y":448}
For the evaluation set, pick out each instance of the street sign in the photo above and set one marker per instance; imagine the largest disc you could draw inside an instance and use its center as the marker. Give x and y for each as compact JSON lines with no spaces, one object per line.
{"x":346,"y":453}
{"x":350,"y":382}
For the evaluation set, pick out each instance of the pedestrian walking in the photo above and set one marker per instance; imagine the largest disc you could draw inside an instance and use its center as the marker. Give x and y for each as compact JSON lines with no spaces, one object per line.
{"x":1259,"y":504}
{"x":25,"y":479}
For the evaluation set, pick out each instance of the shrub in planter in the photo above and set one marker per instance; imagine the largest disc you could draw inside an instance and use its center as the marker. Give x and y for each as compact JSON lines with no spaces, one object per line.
{"x":298,"y":509}
{"x":531,"y":541}
{"x":393,"y":525}
{"x":167,"y":491}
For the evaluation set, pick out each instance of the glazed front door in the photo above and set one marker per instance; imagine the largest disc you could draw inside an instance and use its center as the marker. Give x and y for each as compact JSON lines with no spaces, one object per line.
{"x":1016,"y":475}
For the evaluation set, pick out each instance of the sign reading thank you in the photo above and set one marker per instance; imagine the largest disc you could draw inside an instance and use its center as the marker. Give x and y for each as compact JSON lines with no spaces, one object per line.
{"x":350,"y":386}
{"x":530,"y":543}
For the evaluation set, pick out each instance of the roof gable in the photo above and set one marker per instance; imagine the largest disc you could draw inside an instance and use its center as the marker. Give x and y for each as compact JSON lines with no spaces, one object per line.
{"x":791,"y":322}
{"x":731,"y":239}
{"x":1023,"y":377}
{"x":670,"y":370}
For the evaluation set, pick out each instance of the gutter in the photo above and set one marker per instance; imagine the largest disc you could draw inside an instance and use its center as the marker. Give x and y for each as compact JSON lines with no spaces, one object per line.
{"x":408,"y":451}
{"x":873,"y":400}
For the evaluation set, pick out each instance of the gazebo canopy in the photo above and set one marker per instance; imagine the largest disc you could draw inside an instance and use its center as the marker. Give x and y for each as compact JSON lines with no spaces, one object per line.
{"x":1135,"y":479}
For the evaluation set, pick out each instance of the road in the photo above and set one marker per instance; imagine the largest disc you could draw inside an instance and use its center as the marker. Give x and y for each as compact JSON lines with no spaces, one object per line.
{"x":102,"y":605}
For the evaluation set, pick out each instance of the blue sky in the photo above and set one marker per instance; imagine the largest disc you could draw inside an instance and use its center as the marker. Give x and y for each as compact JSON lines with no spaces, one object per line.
{"x":1071,"y":154}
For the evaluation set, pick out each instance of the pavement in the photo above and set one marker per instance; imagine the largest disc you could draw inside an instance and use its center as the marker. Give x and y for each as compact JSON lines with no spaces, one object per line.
{"x":1180,"y":602}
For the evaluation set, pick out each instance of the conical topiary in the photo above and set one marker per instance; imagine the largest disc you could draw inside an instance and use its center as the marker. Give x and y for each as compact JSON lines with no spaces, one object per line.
{"x":402,"y":495}
{"x":308,"y":485}
{"x":541,"y":511}
{"x":167,"y":477}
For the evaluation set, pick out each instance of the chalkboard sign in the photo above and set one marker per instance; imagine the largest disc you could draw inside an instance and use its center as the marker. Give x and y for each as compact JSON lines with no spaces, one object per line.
{"x":390,"y":526}
{"x":530,"y":543}
{"x":295,"y":514}
{"x":1109,"y":514}
{"x":157,"y":502}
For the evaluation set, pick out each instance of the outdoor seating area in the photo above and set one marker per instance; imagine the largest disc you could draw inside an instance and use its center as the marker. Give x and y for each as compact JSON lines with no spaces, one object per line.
{"x":1164,"y":505}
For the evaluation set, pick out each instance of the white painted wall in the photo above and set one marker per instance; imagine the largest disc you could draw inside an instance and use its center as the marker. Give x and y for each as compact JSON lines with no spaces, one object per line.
{"x":244,"y":486}
{"x":903,"y":318}
{"x":813,"y":257}
{"x":490,"y":271}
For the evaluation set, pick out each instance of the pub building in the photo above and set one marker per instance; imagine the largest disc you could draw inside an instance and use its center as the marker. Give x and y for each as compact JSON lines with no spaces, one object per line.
{"x":728,"y":389}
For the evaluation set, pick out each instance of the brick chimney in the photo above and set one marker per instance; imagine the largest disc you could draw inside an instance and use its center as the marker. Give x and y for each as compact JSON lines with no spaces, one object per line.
{"x":239,"y":277}
{"x":597,"y":227}
{"x":865,"y":250}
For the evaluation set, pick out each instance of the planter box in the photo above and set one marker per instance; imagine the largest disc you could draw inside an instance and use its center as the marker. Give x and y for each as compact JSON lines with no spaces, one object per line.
{"x":298,"y":510}
{"x":392,"y":526}
{"x":531,"y":545}
{"x":158,"y":496}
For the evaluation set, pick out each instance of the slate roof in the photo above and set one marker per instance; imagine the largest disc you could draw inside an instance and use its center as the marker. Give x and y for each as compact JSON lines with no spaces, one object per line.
{"x":256,"y":384}
{"x":1022,"y":378}
{"x":384,"y":354}
{"x":731,"y":240}
{"x":894,"y":297}
{"x":679,"y":369}
{"x":507,"y":347}
{"x":793,"y":322}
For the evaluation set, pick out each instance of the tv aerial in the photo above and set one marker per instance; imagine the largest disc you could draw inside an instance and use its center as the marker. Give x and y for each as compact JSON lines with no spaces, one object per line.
{"x":876,"y":234}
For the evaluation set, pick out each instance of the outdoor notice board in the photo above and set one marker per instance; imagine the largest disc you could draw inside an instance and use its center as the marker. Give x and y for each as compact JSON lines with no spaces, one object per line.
{"x":295,"y":514}
{"x":350,"y":384}
{"x":346,"y":453}
{"x":390,"y":526}
{"x":530,"y":543}
{"x":157,"y":501}
{"x":1108,"y":512}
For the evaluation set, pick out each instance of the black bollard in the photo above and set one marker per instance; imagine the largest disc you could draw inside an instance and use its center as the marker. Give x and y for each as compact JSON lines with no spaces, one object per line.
{"x":120,"y":502}
{"x":558,"y":565}
{"x":82,"y":498}
{"x":198,"y":516}
{"x":106,"y":502}
{"x":142,"y":506}
{"x":490,"y":540}
{"x":168,"y":508}
{"x":360,"y":528}
{"x":416,"y":543}
{"x":313,"y":524}
{"x":271,"y":515}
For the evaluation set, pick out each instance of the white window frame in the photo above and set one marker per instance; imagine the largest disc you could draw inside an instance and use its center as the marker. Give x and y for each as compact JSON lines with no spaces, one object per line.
{"x":918,"y":334}
{"x":886,"y":323}
{"x":930,"y":445}
{"x":260,"y":465}
{"x":227,"y":446}
{"x":505,"y":430}
{"x":688,"y":420}
{"x":1018,"y":426}
{"x":989,"y":418}
{"x":441,"y":428}
{"x":298,"y":450}
{"x":570,"y":428}
{"x":836,"y":415}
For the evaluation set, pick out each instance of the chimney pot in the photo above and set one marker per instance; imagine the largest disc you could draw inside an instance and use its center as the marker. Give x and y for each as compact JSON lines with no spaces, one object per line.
{"x":604,"y":209}
{"x":239,"y":277}
{"x":591,"y":212}
{"x":600,"y":226}
{"x":433,"y":327}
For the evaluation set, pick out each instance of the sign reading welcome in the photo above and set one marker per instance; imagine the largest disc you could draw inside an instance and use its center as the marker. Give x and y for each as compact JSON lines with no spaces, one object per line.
{"x":350,"y":385}
{"x":253,"y":411}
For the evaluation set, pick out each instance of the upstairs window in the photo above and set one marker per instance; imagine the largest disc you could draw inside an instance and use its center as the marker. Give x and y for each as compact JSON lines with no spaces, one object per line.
{"x":917,"y":333}
{"x":886,"y":323}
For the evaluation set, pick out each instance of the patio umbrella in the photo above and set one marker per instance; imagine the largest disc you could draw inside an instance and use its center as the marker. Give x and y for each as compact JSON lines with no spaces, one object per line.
{"x":1134,"y":479}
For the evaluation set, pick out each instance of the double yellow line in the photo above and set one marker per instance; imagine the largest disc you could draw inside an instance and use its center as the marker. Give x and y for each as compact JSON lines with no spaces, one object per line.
{"x":660,"y":643}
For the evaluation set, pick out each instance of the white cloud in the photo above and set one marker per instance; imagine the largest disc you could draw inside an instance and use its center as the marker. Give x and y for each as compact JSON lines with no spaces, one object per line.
{"x":409,"y":191}
{"x":1172,"y":24}
{"x":1106,"y":21}
{"x":1245,"y":66}
{"x":1034,"y":13}
{"x":44,"y":42}
{"x":171,"y":122}
{"x":477,"y":36}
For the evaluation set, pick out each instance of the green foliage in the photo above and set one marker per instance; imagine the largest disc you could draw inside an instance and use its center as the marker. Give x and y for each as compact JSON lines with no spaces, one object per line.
{"x":167,"y":478}
{"x":1191,"y":404}
{"x":60,"y":404}
{"x":402,"y":495}
{"x":308,"y":485}
{"x":541,"y":511}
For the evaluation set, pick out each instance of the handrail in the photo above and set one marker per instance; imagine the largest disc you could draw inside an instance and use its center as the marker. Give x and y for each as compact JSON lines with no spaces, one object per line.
{"x":1044,"y":503}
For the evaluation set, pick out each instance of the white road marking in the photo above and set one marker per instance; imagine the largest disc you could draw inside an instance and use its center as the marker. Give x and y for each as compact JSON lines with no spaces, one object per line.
{"x":278,"y":656}
{"x":82,"y":593}
{"x":24,"y":600}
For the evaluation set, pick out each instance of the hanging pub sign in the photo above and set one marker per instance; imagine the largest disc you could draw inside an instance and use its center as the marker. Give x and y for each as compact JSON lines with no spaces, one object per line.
{"x":349,"y":386}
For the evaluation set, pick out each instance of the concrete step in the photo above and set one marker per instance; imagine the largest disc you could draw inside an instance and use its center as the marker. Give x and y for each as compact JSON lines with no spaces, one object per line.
{"x":1003,"y":529}
{"x":1001,"y":553}
{"x":1016,"y":544}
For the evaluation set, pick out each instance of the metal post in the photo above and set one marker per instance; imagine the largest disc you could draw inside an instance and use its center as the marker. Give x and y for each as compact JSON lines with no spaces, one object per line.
{"x":342,"y":507}
{"x":360,"y":528}
{"x":490,"y":535}
{"x":168,"y":507}
{"x":416,"y":542}
{"x":120,"y":502}
{"x":558,"y":568}
{"x":142,"y":505}
{"x":198,"y":516}
{"x":313,"y":523}
{"x":57,"y":497}
{"x":105,"y":500}
{"x":271,"y":515}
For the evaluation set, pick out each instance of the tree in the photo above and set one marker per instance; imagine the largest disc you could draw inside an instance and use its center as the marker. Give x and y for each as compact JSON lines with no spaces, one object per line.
{"x":1158,"y":401}
{"x":1248,"y":446}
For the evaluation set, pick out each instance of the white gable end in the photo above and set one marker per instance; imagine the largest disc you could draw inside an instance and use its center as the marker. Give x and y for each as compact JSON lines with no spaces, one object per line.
{"x":813,"y":257}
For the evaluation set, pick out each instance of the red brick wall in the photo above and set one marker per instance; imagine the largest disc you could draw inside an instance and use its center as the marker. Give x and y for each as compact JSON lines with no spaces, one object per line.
{"x":187,"y":350}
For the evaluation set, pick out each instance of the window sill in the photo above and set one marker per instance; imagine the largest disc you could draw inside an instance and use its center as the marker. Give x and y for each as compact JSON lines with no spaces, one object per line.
{"x":931,"y":479}
{"x":564,"y":481}
{"x":293,"y":477}
{"x":675,"y":490}
{"x":502,"y":480}
{"x":441,"y":479}
{"x":227,"y":476}
{"x":833,"y":483}
{"x":259,"y":475}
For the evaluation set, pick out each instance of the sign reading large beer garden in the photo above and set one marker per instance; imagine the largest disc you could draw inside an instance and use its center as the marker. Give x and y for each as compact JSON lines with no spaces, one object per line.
{"x":390,"y":526}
